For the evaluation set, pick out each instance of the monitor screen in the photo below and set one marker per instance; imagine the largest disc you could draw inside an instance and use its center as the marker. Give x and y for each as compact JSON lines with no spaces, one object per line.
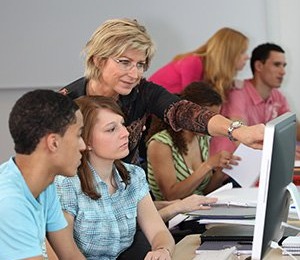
{"x":276,"y":174}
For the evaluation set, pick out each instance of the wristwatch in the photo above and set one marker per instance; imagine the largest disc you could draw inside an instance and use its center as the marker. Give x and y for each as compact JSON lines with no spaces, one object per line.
{"x":234,"y":125}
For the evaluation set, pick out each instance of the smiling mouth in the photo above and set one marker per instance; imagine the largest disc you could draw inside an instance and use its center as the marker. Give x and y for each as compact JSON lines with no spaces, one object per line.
{"x":129,"y":86}
{"x":129,"y":82}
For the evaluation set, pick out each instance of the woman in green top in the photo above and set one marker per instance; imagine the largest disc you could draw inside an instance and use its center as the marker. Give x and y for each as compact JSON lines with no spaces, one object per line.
{"x":178,"y":162}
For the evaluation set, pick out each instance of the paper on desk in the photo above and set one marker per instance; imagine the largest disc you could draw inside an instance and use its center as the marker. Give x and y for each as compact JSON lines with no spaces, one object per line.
{"x":227,"y":195}
{"x":223,"y":254}
{"x":243,"y":197}
{"x":246,"y":173}
{"x":177,"y":220}
{"x":248,"y":222}
{"x":227,"y":186}
{"x":173,"y":222}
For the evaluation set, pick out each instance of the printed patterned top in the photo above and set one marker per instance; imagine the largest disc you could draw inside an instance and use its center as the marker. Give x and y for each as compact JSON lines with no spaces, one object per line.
{"x":182,"y":171}
{"x":105,"y":227}
{"x":145,"y":99}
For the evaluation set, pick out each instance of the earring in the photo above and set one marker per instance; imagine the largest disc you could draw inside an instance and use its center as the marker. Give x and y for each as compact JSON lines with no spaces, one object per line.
{"x":89,"y":148}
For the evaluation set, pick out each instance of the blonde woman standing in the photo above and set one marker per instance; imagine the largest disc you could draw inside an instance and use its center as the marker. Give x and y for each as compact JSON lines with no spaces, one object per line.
{"x":217,"y":62}
{"x":117,"y":55}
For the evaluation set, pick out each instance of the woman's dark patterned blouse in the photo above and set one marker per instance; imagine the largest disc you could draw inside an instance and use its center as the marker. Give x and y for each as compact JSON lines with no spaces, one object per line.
{"x":148,"y":98}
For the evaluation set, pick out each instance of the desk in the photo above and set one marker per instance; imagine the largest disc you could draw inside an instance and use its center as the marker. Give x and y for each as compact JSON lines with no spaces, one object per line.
{"x":185,"y":250}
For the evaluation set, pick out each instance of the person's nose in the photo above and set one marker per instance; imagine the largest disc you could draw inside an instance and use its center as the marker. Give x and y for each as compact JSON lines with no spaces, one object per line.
{"x":134,"y":72}
{"x":124,"y":132}
{"x":82,"y":145}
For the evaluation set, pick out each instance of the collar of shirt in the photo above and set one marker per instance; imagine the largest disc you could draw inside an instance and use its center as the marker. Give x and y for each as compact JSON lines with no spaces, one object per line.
{"x":254,"y":95}
{"x":99,"y":182}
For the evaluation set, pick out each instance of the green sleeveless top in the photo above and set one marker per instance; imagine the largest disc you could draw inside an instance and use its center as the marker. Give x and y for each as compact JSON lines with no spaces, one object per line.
{"x":182,"y":171}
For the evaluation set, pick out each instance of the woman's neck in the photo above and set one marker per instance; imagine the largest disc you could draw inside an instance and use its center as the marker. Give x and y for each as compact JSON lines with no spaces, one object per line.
{"x":96,"y":88}
{"x":105,"y":171}
{"x":104,"y":168}
{"x":188,"y":136}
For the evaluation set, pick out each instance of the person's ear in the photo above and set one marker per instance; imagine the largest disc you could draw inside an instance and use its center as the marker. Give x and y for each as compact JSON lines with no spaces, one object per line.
{"x":89,"y":147}
{"x":96,"y":61}
{"x":99,"y":63}
{"x":258,"y":65}
{"x":52,"y":142}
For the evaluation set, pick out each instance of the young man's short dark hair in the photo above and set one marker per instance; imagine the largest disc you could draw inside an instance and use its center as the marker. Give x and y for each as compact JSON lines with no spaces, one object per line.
{"x":37,"y":113}
{"x":262,"y":52}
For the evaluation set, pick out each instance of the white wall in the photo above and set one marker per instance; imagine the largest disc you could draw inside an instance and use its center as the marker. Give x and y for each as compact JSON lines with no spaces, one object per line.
{"x":290,"y":38}
{"x":7,"y":99}
{"x":41,"y":41}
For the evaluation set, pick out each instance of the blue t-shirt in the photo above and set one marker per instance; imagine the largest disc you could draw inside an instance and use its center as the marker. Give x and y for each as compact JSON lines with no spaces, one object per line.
{"x":24,"y":219}
{"x":105,"y":227}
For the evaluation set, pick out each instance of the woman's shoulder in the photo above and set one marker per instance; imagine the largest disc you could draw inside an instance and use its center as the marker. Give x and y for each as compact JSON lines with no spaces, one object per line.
{"x":147,"y":90}
{"x":143,"y":88}
{"x":192,"y":57}
{"x":162,"y":136}
{"x":148,"y":85}
{"x":67,"y":182}
{"x":75,"y":89}
{"x":130,"y":167}
{"x":136,"y":172}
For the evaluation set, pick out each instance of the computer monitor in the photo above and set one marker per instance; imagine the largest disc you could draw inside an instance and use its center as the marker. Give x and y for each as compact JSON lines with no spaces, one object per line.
{"x":276,"y":174}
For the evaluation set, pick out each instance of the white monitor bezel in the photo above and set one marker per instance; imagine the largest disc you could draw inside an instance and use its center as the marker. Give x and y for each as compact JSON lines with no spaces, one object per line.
{"x":258,"y":248}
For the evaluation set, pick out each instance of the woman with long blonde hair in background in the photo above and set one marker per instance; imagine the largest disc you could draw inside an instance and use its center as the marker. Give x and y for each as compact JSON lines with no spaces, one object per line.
{"x":217,"y":62}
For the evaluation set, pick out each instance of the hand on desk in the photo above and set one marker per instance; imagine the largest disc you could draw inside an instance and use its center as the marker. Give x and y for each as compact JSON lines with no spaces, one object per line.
{"x":158,"y":254}
{"x":169,"y":209}
{"x":196,"y":202}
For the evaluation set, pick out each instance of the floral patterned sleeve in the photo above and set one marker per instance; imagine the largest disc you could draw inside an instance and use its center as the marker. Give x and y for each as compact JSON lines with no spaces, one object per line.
{"x":188,"y":116}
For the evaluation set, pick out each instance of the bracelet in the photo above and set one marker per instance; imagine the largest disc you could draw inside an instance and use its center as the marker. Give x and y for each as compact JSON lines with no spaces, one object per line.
{"x":234,"y":125}
{"x":165,"y":248}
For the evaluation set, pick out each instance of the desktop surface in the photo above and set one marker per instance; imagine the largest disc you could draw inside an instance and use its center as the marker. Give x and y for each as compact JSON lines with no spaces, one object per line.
{"x":185,"y":249}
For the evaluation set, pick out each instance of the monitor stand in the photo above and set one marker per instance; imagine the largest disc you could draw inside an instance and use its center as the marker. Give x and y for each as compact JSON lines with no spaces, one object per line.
{"x":293,"y":190}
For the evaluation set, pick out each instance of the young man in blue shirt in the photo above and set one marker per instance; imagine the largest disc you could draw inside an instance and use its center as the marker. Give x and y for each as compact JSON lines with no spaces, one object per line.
{"x":46,"y":130}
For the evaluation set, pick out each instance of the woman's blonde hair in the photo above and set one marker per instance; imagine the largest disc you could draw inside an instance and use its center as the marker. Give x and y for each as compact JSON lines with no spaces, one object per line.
{"x":220,"y":54}
{"x":112,"y":39}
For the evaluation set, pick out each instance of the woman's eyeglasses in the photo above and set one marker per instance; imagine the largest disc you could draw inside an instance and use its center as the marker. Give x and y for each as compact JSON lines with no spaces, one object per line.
{"x":127,"y":65}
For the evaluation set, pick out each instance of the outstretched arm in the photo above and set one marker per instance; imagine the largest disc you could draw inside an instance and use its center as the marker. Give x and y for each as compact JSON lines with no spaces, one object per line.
{"x":189,"y":116}
{"x":249,"y":135}
{"x":190,"y":203}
